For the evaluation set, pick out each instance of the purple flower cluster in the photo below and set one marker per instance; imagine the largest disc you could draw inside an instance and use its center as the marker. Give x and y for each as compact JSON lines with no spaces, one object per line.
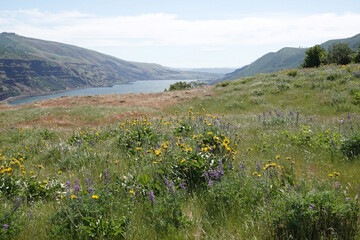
{"x":212,"y":175}
{"x":152,"y":197}
{"x":312,"y":206}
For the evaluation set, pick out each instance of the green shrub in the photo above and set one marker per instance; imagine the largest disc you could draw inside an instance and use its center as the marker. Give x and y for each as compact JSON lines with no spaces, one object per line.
{"x":314,"y":215}
{"x":351,"y":146}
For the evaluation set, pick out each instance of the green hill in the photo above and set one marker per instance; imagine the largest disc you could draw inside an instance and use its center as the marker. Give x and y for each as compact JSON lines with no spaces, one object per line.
{"x":285,"y":58}
{"x":32,"y":66}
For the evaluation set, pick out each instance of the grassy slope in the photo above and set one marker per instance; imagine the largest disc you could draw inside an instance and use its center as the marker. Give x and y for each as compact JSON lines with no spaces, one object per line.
{"x":323,"y":97}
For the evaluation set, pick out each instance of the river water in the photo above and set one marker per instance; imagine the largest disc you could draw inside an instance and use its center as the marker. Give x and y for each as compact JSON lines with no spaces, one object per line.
{"x":147,"y":86}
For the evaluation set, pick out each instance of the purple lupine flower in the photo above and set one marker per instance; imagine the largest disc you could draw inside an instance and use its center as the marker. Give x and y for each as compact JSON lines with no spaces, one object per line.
{"x":76,"y":186}
{"x":79,"y":143}
{"x":297,"y":116}
{"x":259,"y":118}
{"x":206,"y":175}
{"x":6,"y":226}
{"x":182,"y":185}
{"x":90,"y":190}
{"x":212,"y":173}
{"x":166,"y":182}
{"x":171,"y":187}
{"x":312,"y":206}
{"x":152,"y":197}
{"x":343,"y":121}
{"x":107,"y":177}
{"x":211,"y":183}
{"x":291,"y":113}
{"x":270,"y":111}
{"x":347,"y":200}
{"x":349,"y":116}
{"x":310,"y":119}
{"x":68,"y":186}
{"x":258,"y":167}
{"x":337,"y":185}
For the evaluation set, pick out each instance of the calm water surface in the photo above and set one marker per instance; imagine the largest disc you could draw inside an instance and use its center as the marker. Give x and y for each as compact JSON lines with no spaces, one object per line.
{"x":134,"y":87}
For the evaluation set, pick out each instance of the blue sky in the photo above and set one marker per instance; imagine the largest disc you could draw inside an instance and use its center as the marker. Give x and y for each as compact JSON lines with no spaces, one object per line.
{"x":183,"y":33}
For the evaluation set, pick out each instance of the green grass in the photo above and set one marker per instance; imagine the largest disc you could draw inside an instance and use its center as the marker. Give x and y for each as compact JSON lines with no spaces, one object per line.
{"x":280,"y":169}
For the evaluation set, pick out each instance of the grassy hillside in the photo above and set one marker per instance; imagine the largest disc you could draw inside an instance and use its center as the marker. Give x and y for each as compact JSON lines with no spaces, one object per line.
{"x":285,"y":58}
{"x":32,"y":66}
{"x":273,"y":156}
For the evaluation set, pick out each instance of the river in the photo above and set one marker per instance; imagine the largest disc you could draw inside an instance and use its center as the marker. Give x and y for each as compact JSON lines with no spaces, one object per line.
{"x":147,"y":86}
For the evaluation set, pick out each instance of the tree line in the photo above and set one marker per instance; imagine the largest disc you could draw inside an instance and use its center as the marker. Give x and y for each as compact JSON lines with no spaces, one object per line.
{"x":337,"y":53}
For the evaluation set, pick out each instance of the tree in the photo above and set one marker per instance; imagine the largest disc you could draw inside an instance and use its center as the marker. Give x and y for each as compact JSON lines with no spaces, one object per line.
{"x":357,"y":56}
{"x":339,"y":53}
{"x":314,"y":57}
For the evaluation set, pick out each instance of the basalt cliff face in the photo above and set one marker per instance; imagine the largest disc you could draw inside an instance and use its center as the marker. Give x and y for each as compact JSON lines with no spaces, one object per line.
{"x":31,"y":67}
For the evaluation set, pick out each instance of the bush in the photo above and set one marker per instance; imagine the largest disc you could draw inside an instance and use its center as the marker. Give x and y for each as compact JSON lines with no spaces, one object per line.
{"x":351,"y":146}
{"x":315,"y":215}
{"x":180,"y":86}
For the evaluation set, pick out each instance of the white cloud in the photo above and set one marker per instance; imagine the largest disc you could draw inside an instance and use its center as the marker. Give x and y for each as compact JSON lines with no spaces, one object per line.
{"x":169,"y":30}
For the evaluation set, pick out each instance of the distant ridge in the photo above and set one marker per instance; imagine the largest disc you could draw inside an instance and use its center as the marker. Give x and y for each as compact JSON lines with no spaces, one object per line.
{"x":285,"y":58}
{"x":31,"y":66}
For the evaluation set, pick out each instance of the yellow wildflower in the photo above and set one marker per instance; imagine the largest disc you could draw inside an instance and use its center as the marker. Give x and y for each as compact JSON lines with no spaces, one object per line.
{"x":132,"y":192}
{"x":73,"y":196}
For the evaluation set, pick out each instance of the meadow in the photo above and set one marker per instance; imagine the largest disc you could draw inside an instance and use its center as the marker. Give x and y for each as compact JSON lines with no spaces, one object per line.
{"x":274,"y":156}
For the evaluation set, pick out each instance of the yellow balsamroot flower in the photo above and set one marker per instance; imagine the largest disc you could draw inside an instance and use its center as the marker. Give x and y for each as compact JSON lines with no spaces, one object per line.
{"x":277,"y":157}
{"x":116,"y":162}
{"x":330,"y":175}
{"x":43,"y":186}
{"x":73,"y":196}
{"x":259,"y":175}
{"x":132,"y":192}
{"x":95,"y":196}
{"x":59,"y":172}
{"x":24,"y":172}
{"x":155,"y":162}
{"x":255,"y":173}
{"x":40,"y":166}
{"x":45,"y":181}
{"x":273,"y":164}
{"x":226,"y":141}
{"x":209,"y":124}
{"x":32,"y":172}
{"x":182,"y":161}
{"x":337,"y":174}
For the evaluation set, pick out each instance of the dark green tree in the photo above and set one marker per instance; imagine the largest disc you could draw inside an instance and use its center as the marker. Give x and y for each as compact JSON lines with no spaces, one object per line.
{"x":357,"y":56}
{"x":314,"y":57}
{"x":339,"y":53}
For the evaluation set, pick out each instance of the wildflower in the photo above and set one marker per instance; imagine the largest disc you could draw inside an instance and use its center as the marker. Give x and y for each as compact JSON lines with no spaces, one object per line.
{"x":59,"y":172}
{"x":277,"y":157}
{"x":182,"y":185}
{"x":330,"y":175}
{"x":6,"y":226}
{"x":43,"y":186}
{"x":255,"y":173}
{"x":132,"y":192}
{"x":347,"y":200}
{"x":152,"y":197}
{"x":171,"y":187}
{"x":73,"y":196}
{"x":288,"y":158}
{"x":95,"y":197}
{"x":312,"y":206}
{"x":211,"y":183}
{"x":166,"y":182}
{"x":337,"y":174}
{"x":182,"y":161}
{"x":40,"y":166}
{"x":45,"y":181}
{"x":273,"y":164}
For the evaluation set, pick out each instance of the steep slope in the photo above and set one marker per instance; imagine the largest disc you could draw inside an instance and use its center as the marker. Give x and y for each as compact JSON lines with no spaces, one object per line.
{"x":32,"y":66}
{"x":285,"y":58}
{"x":270,"y":62}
